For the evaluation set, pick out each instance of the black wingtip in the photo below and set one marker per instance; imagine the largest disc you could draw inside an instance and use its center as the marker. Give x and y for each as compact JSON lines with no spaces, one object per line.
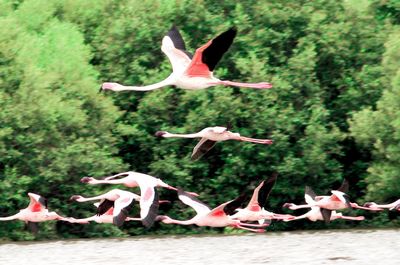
{"x":101,"y":89}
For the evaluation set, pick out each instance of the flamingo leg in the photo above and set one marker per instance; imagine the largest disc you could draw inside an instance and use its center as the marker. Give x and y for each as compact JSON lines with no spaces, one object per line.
{"x":260,"y":230}
{"x":252,"y":225}
{"x":354,"y":218}
{"x":261,"y":85}
{"x":257,"y":141}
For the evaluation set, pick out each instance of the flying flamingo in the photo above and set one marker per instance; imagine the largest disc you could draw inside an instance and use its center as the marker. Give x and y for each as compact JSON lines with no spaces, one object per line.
{"x":337,"y":201}
{"x":209,"y":137}
{"x":217,"y":217}
{"x":316,"y":213}
{"x":121,"y":201}
{"x":255,"y":210}
{"x":391,"y":206}
{"x":191,"y":72}
{"x":36,"y":211}
{"x":148,"y":192}
{"x":107,"y":217}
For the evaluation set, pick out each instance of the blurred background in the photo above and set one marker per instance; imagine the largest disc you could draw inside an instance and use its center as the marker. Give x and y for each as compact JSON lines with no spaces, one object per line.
{"x":333,"y":111}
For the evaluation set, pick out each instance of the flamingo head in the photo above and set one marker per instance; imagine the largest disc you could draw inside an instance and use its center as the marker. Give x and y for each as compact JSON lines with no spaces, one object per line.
{"x":163,"y":218}
{"x":87,"y":179}
{"x":77,"y":198}
{"x":288,"y":205}
{"x":111,"y":86}
{"x":161,"y":134}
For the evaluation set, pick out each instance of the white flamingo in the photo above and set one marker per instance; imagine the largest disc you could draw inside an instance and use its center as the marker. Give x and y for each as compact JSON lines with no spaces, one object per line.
{"x":255,"y":209}
{"x":36,"y":211}
{"x":188,"y":72}
{"x":120,"y":200}
{"x":209,"y":137}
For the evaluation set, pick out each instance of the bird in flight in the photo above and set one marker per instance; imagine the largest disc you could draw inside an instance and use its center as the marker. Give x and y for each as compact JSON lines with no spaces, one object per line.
{"x":209,"y":137}
{"x":188,"y":71}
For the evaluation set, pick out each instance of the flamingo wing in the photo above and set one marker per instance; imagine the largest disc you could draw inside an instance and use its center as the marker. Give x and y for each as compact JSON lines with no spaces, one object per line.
{"x":309,"y":195}
{"x":344,"y":187}
{"x":122,"y":206}
{"x":343,"y":197}
{"x":192,"y":201}
{"x":174,"y":47}
{"x":230,"y":207}
{"x":326,"y":214}
{"x":37,"y":203}
{"x":265,"y":189}
{"x":207,"y":56}
{"x":104,"y":206}
{"x":202,"y":147}
{"x":149,"y":201}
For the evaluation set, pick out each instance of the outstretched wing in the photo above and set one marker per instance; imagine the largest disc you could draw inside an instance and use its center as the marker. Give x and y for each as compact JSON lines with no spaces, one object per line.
{"x":122,"y":206}
{"x":202,"y":147}
{"x":230,"y":208}
{"x":265,"y":189}
{"x":192,"y":201}
{"x":37,"y":203}
{"x":149,"y":201}
{"x":174,"y":47}
{"x":207,"y":56}
{"x":104,"y":206}
{"x":326,"y":214}
{"x":309,"y":195}
{"x":344,"y":187}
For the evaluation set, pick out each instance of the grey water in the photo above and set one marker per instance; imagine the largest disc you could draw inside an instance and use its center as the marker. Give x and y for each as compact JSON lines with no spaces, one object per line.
{"x":307,"y":247}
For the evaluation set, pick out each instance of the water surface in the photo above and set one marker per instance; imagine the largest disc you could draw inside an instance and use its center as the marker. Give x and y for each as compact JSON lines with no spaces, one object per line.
{"x":311,"y":247}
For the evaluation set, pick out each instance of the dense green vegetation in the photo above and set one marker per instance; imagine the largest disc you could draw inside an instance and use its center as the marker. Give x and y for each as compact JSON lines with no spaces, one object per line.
{"x":333,"y":113}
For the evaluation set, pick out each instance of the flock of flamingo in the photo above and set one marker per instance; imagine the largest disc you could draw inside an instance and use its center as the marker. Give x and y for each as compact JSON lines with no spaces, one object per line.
{"x":195,"y":72}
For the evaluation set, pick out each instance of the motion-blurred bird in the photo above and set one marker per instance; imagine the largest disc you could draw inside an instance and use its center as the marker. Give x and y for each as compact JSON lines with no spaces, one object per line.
{"x":35,"y":212}
{"x":191,"y":72}
{"x":209,"y":137}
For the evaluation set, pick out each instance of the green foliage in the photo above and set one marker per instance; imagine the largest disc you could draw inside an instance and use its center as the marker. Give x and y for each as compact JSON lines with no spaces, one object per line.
{"x":332,"y":113}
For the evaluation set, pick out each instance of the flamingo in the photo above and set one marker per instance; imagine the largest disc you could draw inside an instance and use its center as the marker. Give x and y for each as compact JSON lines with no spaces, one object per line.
{"x":217,"y":217}
{"x":191,"y":72}
{"x":209,"y":137}
{"x":107,"y":217}
{"x":254,"y":210}
{"x":316,"y":213}
{"x":391,"y":206}
{"x":36,"y":211}
{"x":121,"y":201}
{"x":337,"y":201}
{"x":148,"y":193}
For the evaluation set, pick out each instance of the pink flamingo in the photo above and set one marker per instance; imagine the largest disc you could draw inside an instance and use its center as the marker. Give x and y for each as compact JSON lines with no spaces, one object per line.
{"x":209,"y":137}
{"x":188,"y":72}
{"x":316,"y":213}
{"x":255,"y":209}
{"x":337,"y":201}
{"x":105,"y":218}
{"x":217,"y":217}
{"x":36,"y":211}
{"x":121,"y":201}
{"x":148,"y":193}
{"x":377,"y":207}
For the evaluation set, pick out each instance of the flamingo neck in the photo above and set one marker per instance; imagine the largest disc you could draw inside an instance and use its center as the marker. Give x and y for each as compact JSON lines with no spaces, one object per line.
{"x":176,"y":135}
